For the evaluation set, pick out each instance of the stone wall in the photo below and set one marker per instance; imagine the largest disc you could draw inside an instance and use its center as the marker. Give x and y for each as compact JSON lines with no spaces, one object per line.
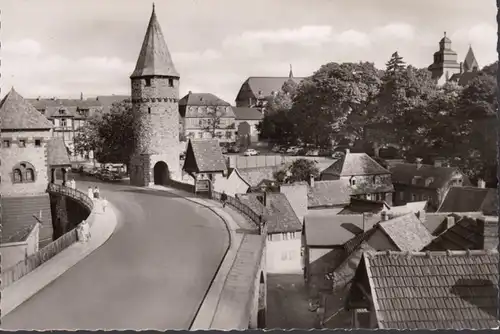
{"x":66,"y":214}
{"x":36,"y":156}
{"x":157,"y":127}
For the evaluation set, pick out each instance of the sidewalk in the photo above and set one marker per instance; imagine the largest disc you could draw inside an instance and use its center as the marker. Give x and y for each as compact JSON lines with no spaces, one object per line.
{"x":236,"y":224}
{"x":102,"y":226}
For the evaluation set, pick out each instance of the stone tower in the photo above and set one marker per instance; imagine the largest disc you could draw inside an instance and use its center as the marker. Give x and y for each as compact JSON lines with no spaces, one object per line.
{"x":155,"y":96}
{"x":445,"y":62}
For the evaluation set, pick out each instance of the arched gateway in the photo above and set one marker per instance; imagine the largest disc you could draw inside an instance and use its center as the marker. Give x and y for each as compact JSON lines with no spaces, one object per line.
{"x":161,"y":173}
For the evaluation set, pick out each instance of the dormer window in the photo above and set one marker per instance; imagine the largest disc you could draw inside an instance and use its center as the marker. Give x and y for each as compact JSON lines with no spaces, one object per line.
{"x":61,"y":111}
{"x":352,"y":181}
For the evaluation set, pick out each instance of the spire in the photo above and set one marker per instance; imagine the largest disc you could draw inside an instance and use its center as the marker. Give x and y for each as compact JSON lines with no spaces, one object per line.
{"x":154,"y":58}
{"x":290,"y":75}
{"x":470,"y":61}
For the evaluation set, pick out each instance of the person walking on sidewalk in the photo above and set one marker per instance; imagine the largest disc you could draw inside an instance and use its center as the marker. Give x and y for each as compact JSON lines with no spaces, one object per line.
{"x":90,"y":193}
{"x":223,"y":198}
{"x":72,"y":183}
{"x":96,"y":192}
{"x":104,"y":204}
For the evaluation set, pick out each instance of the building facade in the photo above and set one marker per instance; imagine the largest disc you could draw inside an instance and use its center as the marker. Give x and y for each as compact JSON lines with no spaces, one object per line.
{"x":206,"y":116}
{"x":155,"y":96}
{"x":68,"y":116}
{"x":247,"y":121}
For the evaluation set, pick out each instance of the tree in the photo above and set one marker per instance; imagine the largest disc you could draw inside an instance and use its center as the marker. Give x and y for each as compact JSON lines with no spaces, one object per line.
{"x":491,"y":69}
{"x":278,"y":128}
{"x":299,"y":170}
{"x":111,"y":136}
{"x":395,"y":65}
{"x":213,"y":120}
{"x":479,"y":97}
{"x":335,"y":102}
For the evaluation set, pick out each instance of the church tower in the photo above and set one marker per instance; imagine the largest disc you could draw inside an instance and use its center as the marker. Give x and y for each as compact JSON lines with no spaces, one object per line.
{"x":155,"y":96}
{"x":445,"y":62}
{"x":470,"y":62}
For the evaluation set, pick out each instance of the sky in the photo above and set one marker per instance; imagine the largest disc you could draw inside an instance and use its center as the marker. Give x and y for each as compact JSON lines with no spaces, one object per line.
{"x":61,"y":48}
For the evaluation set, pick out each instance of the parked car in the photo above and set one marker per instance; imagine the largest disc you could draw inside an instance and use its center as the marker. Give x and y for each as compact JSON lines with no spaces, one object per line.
{"x":250,"y":152}
{"x":276,"y":149}
{"x":107,"y":175}
{"x":301,"y":151}
{"x":90,"y":171}
{"x":312,"y":153}
{"x":234,"y":149}
{"x":337,"y":155}
{"x":294,"y":150}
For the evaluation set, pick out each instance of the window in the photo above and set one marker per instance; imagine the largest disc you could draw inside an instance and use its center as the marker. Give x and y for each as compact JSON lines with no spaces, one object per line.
{"x":30,"y":175}
{"x":64,"y":122}
{"x":149,"y":110}
{"x":22,"y":143}
{"x":352,"y":181}
{"x":42,"y":111}
{"x":23,"y":172}
{"x":401,"y":195}
{"x":374,"y":178}
{"x":413,"y":197}
{"x":6,"y":143}
{"x":285,"y":236}
{"x":428,"y":181}
{"x":229,"y":134}
{"x":61,"y":111}
{"x":148,"y":82}
{"x":170,"y":82}
{"x":38,"y":143}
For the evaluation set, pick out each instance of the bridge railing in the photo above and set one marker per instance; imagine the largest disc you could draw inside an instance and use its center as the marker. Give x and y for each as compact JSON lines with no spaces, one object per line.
{"x":242,"y":208}
{"x":73,"y":193}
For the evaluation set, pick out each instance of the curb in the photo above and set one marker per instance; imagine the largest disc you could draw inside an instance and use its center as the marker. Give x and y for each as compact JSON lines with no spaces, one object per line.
{"x":20,"y":291}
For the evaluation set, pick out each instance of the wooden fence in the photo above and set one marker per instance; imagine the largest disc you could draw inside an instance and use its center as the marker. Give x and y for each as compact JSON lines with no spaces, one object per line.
{"x":33,"y":261}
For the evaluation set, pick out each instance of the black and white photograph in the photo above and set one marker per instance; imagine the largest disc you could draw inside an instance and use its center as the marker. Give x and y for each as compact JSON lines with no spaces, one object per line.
{"x":242,"y":165}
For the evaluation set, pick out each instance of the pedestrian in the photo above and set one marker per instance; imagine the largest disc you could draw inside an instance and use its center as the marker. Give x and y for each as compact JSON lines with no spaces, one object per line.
{"x":223,"y":198}
{"x":104,"y":204}
{"x":90,"y":194}
{"x":73,"y":183}
{"x":96,"y":192}
{"x":86,"y":230}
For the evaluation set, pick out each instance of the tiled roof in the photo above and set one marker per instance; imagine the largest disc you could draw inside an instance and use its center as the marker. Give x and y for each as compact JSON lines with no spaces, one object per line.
{"x":108,"y":100}
{"x":278,"y":213}
{"x":435,"y":290}
{"x":468,"y":199}
{"x":267,"y":85}
{"x":65,"y":107}
{"x":403,"y":173}
{"x":329,"y":193}
{"x":247,"y":114}
{"x":255,"y":175}
{"x":358,"y":206}
{"x":355,"y":164}
{"x":470,"y":61}
{"x":207,"y":156}
{"x":325,"y":229}
{"x":154,"y":57}
{"x":407,"y":232}
{"x":57,"y":155}
{"x":18,"y":220}
{"x":18,"y":114}
{"x":202,"y":99}
{"x":464,"y":78}
{"x":466,"y":233}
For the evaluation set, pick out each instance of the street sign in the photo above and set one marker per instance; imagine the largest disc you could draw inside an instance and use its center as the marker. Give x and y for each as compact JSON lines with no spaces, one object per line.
{"x":202,"y":186}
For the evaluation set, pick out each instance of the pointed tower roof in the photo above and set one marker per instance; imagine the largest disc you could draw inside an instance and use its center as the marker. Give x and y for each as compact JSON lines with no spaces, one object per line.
{"x":18,"y":114}
{"x":290,"y":75}
{"x":470,"y":61}
{"x":154,"y":58}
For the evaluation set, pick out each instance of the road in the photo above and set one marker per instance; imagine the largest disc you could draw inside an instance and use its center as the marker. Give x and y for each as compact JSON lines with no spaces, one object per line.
{"x":151,"y":274}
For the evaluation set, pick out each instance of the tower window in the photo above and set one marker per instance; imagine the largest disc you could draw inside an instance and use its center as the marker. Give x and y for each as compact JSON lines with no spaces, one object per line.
{"x":149,"y":110}
{"x":148,"y":82}
{"x":170,"y":82}
{"x":6,"y":143}
{"x":22,"y":143}
{"x":38,"y":143}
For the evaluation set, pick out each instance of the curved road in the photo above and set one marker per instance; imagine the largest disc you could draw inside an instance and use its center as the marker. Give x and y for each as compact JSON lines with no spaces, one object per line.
{"x":151,"y":274}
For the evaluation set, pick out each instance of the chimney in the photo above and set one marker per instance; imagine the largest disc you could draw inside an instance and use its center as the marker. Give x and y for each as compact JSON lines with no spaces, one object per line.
{"x":481,"y":183}
{"x":450,"y":221}
{"x":421,"y":215}
{"x":461,"y":67}
{"x":490,"y":232}
{"x":311,"y":181}
{"x":347,"y":151}
{"x":418,"y":161}
{"x":383,"y":216}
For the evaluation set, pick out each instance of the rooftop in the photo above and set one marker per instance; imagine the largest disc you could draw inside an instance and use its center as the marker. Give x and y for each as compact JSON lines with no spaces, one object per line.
{"x":247,"y":114}
{"x":57,"y":155}
{"x":18,"y":114}
{"x":204,"y":155}
{"x":329,"y":193}
{"x":469,"y":199}
{"x":404,"y":173}
{"x":433,"y":290}
{"x":154,"y":57}
{"x":267,"y":85}
{"x":407,"y":232}
{"x":355,"y":164}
